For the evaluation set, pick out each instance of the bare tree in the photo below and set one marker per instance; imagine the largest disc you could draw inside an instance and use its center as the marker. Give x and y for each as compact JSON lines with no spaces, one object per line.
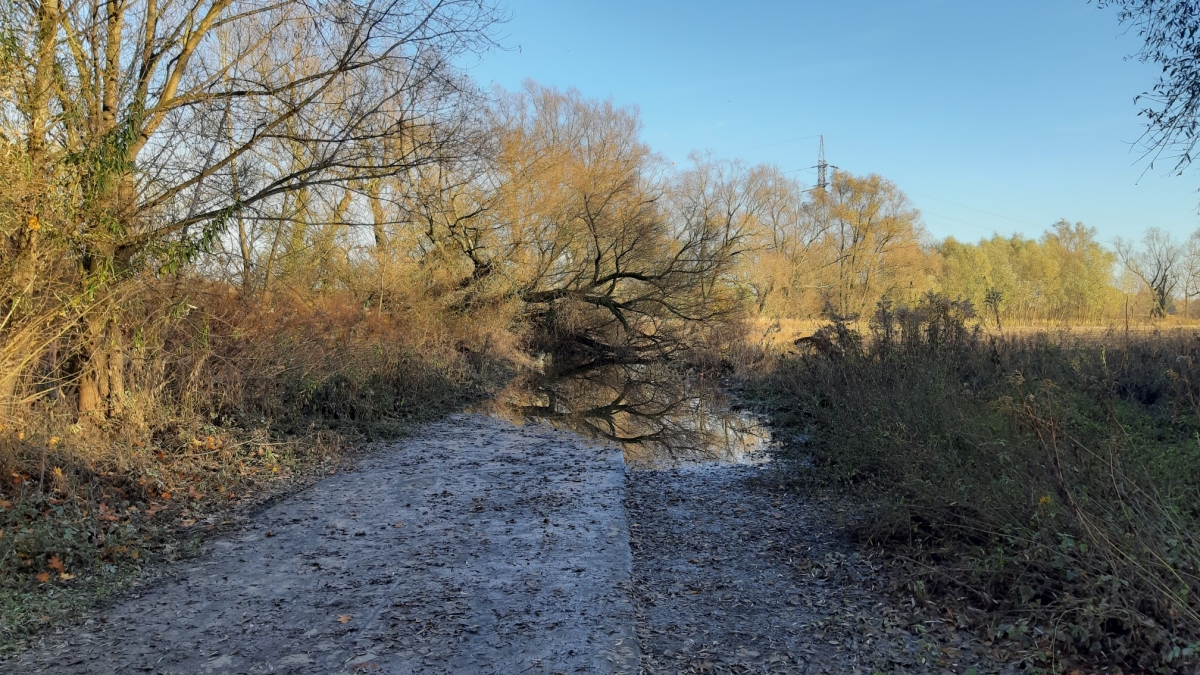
{"x":1157,"y":262}
{"x":161,"y":123}
{"x":871,"y":236}
{"x":594,"y":241}
{"x":1190,"y":258}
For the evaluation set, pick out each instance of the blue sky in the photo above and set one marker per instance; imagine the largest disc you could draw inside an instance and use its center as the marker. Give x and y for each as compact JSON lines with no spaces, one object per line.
{"x":993,"y":115}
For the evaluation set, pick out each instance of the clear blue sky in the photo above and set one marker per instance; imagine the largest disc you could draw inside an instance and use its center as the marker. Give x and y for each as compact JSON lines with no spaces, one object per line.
{"x":1019,"y":108}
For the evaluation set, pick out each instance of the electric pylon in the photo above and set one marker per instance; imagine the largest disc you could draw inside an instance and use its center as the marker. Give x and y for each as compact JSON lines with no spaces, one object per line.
{"x":822,"y":167}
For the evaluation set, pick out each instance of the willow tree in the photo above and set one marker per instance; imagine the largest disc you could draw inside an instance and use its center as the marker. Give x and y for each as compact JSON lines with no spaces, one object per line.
{"x":595,"y":239}
{"x":1066,"y":274}
{"x":1170,"y":31}
{"x":760,"y":209}
{"x":870,"y":243}
{"x":143,"y":128}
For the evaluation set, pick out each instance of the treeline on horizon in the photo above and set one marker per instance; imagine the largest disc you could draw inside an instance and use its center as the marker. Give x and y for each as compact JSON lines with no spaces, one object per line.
{"x":848,"y":249}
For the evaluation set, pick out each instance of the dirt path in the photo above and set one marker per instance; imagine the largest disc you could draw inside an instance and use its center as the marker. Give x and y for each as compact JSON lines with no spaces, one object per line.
{"x":477,"y":546}
{"x":733,"y":574}
{"x":473,"y":547}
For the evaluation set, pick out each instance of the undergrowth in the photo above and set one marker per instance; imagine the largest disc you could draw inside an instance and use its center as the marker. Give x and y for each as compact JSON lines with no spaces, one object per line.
{"x":238,"y":402}
{"x":1051,"y":480}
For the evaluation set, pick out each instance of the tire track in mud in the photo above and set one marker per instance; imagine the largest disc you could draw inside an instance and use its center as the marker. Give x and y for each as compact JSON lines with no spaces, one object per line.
{"x":474,"y":546}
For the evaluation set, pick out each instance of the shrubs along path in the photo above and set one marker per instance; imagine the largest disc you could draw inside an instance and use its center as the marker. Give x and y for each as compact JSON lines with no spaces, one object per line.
{"x":1050,"y":482}
{"x":474,"y":546}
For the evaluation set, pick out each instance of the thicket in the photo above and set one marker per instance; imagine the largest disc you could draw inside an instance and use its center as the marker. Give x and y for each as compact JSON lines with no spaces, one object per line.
{"x":237,"y":237}
{"x":1052,"y":480}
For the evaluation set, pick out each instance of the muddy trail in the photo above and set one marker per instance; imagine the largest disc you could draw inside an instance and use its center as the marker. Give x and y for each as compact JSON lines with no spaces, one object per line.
{"x":474,"y":546}
{"x":735,"y":573}
{"x":492,"y":542}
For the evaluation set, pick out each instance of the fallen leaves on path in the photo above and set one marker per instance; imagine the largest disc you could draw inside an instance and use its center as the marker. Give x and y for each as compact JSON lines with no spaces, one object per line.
{"x":735,"y":573}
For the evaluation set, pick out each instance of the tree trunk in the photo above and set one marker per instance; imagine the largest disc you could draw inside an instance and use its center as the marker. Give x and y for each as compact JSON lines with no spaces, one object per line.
{"x":39,"y":119}
{"x":102,"y":377}
{"x":94,"y":372}
{"x":116,"y":371}
{"x":8,"y":394}
{"x":378,"y":218}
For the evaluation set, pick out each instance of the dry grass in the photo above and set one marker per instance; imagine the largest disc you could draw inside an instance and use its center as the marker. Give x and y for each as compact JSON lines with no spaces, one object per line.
{"x":779,"y":333}
{"x":1051,"y":479}
{"x":232,"y":399}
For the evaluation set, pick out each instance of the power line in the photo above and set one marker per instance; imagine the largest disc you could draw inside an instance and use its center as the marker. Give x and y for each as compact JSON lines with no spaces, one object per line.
{"x":985,"y":229}
{"x":969,"y":208}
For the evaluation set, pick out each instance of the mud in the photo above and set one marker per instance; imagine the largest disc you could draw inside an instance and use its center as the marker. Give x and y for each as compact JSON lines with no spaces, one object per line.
{"x":479,"y":546}
{"x":735,"y":573}
{"x":475,"y":546}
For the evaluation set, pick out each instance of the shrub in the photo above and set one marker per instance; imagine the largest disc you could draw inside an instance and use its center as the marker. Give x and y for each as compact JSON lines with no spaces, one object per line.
{"x":1052,"y":479}
{"x":229,"y":397}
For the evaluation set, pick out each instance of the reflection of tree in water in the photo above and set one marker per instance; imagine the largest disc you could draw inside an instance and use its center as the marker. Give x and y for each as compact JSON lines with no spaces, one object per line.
{"x":656,"y":413}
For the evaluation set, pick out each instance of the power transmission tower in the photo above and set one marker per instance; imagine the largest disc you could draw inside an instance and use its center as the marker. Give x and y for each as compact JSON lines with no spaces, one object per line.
{"x":822,"y":167}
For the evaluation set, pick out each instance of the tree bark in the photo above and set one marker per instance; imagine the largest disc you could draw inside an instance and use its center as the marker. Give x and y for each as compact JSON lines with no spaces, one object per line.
{"x":90,"y":399}
{"x":377,"y":216}
{"x":8,"y":394}
{"x":102,"y":376}
{"x":116,"y":371}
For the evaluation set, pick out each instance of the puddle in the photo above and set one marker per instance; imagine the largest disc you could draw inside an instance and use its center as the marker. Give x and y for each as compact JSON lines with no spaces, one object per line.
{"x":660,"y":417}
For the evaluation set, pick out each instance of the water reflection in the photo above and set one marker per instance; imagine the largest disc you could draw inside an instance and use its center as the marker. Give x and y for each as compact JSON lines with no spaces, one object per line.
{"x":659,"y":416}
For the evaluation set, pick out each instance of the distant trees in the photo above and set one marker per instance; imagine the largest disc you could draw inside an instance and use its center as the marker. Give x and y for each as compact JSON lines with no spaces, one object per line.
{"x":1158,"y":263}
{"x":1190,"y":271}
{"x":808,"y":251}
{"x":872,"y":240}
{"x":861,"y":243}
{"x":1084,"y":268}
{"x":1066,"y":275}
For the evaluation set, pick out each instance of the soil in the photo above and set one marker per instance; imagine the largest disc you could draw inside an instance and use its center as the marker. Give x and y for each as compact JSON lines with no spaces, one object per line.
{"x":478,"y":546}
{"x":735,"y":573}
{"x":474,"y":546}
